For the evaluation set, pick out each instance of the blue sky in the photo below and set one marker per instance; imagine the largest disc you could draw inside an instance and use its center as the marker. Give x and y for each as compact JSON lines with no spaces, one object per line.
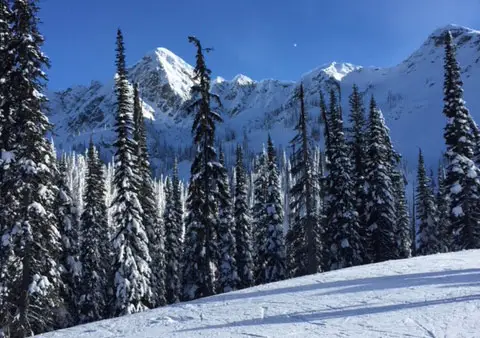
{"x":252,"y":37}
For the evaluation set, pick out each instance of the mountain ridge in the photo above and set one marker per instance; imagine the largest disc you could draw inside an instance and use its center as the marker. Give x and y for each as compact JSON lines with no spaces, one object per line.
{"x":406,"y":93}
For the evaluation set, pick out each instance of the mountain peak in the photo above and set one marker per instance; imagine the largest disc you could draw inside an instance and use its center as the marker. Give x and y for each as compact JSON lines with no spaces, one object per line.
{"x":242,"y":80}
{"x":338,"y":70}
{"x":460,"y":34}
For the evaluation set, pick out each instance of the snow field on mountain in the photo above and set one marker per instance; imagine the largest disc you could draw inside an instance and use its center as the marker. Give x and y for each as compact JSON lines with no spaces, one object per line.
{"x":430,"y":296}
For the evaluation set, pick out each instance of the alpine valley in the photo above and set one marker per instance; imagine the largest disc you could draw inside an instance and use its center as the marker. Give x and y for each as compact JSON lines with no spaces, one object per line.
{"x":409,"y":94}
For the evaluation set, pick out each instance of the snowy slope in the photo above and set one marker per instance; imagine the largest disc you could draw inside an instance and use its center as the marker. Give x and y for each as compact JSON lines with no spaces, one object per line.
{"x":410,"y":95}
{"x":433,"y":296}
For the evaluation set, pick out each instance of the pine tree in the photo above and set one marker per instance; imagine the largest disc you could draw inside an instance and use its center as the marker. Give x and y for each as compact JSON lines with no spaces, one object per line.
{"x":381,"y":219}
{"x":342,"y":218}
{"x":304,"y":247}
{"x":462,"y":174}
{"x":69,"y":227}
{"x":358,"y":149}
{"x":243,"y":226}
{"x":403,"y":226}
{"x":95,"y":248}
{"x":146,"y":197}
{"x":201,"y":252}
{"x":426,"y":211}
{"x":132,"y":258}
{"x":274,"y":247}
{"x":259,"y":230}
{"x":33,"y":302}
{"x":228,"y":279}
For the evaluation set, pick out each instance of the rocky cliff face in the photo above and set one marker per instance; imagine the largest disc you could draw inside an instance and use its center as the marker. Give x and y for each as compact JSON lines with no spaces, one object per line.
{"x":409,"y":94}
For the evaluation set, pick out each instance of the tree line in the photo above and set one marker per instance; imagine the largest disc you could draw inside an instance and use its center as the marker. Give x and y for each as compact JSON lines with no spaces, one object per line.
{"x":82,"y":240}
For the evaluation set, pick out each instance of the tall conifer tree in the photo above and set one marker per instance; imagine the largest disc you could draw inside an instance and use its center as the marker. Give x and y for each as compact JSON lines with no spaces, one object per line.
{"x":95,"y":248}
{"x":243,"y":225}
{"x":133,"y":289}
{"x":33,"y":302}
{"x":342,"y":217}
{"x":358,"y":149}
{"x":69,"y":227}
{"x":259,"y":230}
{"x":172,"y":220}
{"x":228,"y":279}
{"x":275,"y":268}
{"x":428,"y":236}
{"x":304,"y":246}
{"x":146,"y":197}
{"x":381,"y":221}
{"x":201,"y":252}
{"x":461,"y":173}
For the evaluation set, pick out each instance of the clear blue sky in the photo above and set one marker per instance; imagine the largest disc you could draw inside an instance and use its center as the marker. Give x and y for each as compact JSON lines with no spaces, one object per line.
{"x":252,"y":37}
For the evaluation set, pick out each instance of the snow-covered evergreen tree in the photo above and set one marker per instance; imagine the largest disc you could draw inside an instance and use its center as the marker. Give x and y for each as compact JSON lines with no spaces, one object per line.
{"x":146,"y":197}
{"x":243,"y":226}
{"x":7,"y":194}
{"x":33,"y":303}
{"x":286,"y":186}
{"x":133,"y":290}
{"x":358,"y":154}
{"x":95,"y":248}
{"x":201,"y":252}
{"x":443,"y":210}
{"x":462,"y":174}
{"x":274,"y":251}
{"x":172,"y":220}
{"x":259,"y":229}
{"x":341,"y":214}
{"x":403,"y":235}
{"x":228,"y":279}
{"x":428,"y":236}
{"x":381,"y":221}
{"x":304,"y":246}
{"x":69,"y":226}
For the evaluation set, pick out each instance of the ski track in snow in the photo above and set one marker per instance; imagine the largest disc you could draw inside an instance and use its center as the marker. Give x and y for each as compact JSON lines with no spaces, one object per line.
{"x":433,"y":296}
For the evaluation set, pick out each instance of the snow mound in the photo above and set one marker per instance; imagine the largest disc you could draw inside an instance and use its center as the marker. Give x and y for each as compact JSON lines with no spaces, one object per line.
{"x":431,"y":296}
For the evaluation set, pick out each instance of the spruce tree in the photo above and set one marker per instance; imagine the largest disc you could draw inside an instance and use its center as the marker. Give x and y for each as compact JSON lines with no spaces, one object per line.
{"x":304,"y":246}
{"x":172,"y":220}
{"x":461,"y":173}
{"x":243,"y":226}
{"x":33,"y":302}
{"x":443,"y":204}
{"x":341,"y":215}
{"x":403,"y":226}
{"x":275,"y":268}
{"x":69,"y":226}
{"x":201,"y":252}
{"x":146,"y":197}
{"x":95,"y":248}
{"x":228,"y":279}
{"x":259,"y":230}
{"x":428,"y":236}
{"x":381,"y":219}
{"x":358,"y":150}
{"x":132,"y":258}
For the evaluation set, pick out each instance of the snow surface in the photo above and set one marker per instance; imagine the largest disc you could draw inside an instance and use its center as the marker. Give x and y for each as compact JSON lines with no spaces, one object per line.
{"x":432,"y":296}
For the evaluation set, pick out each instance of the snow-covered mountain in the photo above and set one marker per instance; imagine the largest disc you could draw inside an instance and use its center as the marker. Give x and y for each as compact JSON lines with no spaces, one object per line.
{"x":429,"y":296}
{"x":410,"y":95}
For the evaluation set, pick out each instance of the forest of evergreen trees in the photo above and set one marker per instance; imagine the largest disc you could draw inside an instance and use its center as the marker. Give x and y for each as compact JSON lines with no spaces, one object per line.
{"x":83,"y":240}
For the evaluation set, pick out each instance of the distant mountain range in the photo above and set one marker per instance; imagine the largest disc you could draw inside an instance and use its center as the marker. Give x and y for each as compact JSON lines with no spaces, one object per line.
{"x":409,"y":94}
